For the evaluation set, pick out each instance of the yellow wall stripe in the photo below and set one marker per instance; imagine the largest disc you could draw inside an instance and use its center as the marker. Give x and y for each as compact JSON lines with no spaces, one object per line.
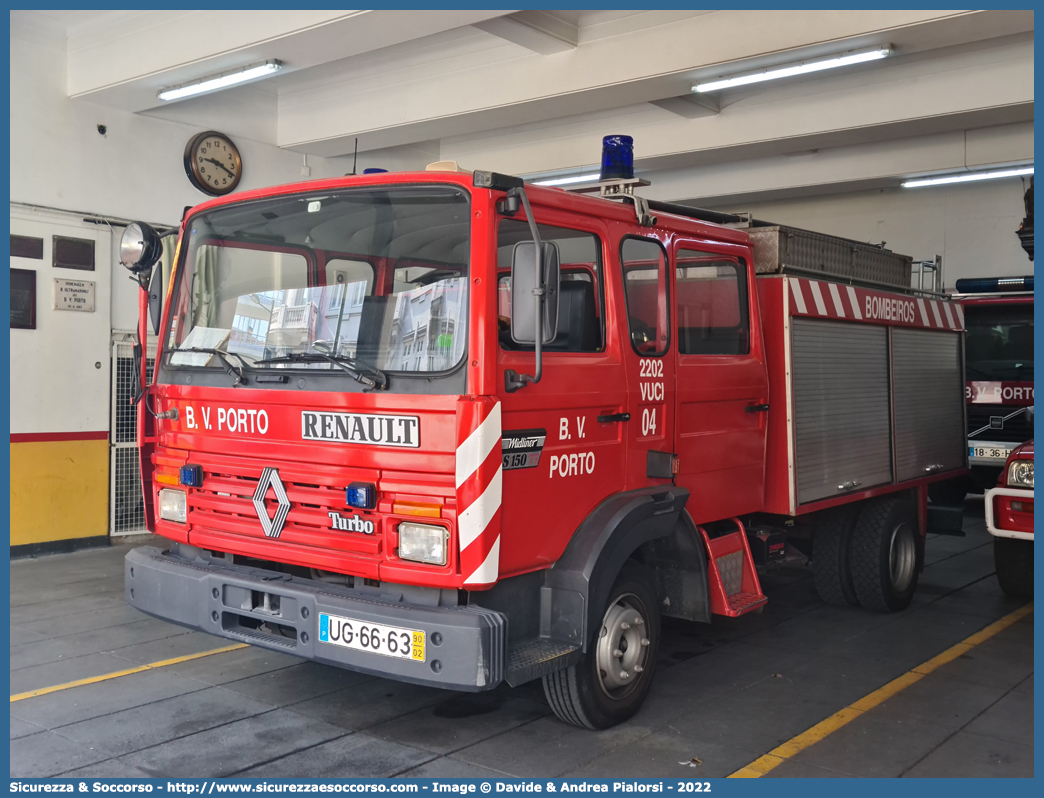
{"x":116,"y":674}
{"x":777,"y":756}
{"x":59,"y":490}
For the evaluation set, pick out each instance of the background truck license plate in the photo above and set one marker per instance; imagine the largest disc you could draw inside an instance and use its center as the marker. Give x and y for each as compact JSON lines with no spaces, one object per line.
{"x":391,"y":641}
{"x":993,"y":452}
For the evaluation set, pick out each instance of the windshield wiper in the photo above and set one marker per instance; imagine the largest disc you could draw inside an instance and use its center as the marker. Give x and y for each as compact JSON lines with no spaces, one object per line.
{"x":374,"y":378}
{"x":230,"y":367}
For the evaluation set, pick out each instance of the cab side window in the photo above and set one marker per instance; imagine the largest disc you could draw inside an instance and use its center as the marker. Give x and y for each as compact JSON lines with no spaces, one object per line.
{"x":644,"y":266}
{"x":581,"y":321}
{"x":712,"y":304}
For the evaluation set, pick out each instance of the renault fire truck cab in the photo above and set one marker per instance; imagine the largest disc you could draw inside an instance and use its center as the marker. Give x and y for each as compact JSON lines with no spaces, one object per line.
{"x":448,"y":428}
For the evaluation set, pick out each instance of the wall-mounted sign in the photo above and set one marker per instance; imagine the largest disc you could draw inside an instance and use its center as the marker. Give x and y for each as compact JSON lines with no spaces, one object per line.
{"x":74,"y":295}
{"x":23,"y":299}
{"x":26,"y":247}
{"x":73,"y":253}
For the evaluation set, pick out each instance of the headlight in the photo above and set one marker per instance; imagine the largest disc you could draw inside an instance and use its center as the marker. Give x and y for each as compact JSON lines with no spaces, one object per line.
{"x":173,"y":505}
{"x":140,"y":247}
{"x":423,"y":543}
{"x":1020,"y":474}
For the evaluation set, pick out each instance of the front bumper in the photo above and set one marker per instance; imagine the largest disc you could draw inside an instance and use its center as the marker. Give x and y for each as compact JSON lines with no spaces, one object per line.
{"x":226,"y":600}
{"x":1003,"y":520}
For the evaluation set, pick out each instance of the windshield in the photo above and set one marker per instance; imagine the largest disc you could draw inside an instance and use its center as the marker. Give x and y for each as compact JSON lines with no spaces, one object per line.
{"x":999,"y":343}
{"x":376,"y":278}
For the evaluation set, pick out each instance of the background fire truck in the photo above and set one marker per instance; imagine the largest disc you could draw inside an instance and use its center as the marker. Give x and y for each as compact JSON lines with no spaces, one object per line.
{"x":447,"y":428}
{"x":998,"y":315}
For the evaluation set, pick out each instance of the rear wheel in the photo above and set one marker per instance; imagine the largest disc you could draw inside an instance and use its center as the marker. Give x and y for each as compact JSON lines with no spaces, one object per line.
{"x":830,"y":556}
{"x":609,"y":683}
{"x":883,"y":554}
{"x":1014,"y":562}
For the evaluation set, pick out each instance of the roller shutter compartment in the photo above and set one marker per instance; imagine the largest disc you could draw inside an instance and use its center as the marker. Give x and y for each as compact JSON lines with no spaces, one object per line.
{"x":841,"y":411}
{"x":929,"y":402}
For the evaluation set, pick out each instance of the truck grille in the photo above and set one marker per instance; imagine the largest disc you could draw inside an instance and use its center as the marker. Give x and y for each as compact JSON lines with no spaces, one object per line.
{"x":224,"y":504}
{"x":1016,"y":430}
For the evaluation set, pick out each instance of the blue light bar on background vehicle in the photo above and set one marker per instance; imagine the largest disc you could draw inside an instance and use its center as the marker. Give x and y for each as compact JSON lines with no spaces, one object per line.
{"x":993,"y":285}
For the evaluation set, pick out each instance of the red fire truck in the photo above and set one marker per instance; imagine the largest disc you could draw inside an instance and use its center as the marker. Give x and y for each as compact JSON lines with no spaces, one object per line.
{"x":998,"y":315}
{"x":448,"y":428}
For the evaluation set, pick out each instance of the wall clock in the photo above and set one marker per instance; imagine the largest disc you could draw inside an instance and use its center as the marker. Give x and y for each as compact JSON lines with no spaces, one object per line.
{"x":213,"y":163}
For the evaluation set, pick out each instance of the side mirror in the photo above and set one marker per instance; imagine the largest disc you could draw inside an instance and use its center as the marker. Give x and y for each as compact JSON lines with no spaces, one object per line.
{"x":156,"y":297}
{"x":140,"y":248}
{"x":523,"y":302}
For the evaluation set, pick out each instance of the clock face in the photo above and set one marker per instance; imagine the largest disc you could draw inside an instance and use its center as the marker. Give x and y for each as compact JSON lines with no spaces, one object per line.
{"x":212,"y":163}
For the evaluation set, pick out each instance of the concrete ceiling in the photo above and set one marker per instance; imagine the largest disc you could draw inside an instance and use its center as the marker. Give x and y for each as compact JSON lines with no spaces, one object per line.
{"x":532,"y":92}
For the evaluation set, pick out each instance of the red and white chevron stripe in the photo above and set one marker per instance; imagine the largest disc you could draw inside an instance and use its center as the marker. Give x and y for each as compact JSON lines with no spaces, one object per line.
{"x":834,"y":301}
{"x":479,"y":488}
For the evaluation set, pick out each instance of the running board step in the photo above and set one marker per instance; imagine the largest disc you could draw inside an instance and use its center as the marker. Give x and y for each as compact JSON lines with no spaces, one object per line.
{"x":536,"y":657}
{"x":732,"y":579}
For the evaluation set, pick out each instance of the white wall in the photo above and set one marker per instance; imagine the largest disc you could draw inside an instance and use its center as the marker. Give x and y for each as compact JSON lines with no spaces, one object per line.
{"x":972,"y":225}
{"x":134,"y":171}
{"x":55,"y":384}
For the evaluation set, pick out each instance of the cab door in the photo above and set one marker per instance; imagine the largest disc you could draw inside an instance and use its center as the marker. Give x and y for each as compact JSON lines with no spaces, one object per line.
{"x":648,"y":362}
{"x":722,"y":382}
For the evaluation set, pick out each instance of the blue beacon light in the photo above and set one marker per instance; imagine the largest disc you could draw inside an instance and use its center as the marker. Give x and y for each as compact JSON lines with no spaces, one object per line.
{"x":617,"y":158}
{"x":191,"y":476}
{"x":361,"y":495}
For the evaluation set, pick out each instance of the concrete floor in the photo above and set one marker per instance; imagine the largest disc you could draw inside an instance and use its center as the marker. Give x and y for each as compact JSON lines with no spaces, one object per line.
{"x":724,"y":694}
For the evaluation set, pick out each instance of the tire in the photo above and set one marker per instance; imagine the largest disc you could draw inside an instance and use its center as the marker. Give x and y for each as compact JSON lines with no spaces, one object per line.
{"x":585,"y":694}
{"x":830,"y":542}
{"x":883,"y":554}
{"x":1014,"y":562}
{"x":950,"y":493}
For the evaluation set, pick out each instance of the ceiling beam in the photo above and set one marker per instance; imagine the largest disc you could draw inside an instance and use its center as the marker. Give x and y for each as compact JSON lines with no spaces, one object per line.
{"x":120,"y":64}
{"x":539,"y":31}
{"x":691,"y":106}
{"x":964,"y":88}
{"x":857,"y":167}
{"x":469,"y":90}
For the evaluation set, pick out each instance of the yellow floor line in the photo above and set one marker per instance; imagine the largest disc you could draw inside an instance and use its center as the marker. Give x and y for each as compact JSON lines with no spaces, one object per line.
{"x":116,"y":674}
{"x":777,"y":756}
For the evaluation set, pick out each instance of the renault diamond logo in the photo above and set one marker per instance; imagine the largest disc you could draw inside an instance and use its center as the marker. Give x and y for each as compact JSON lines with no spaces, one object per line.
{"x":272,"y":526}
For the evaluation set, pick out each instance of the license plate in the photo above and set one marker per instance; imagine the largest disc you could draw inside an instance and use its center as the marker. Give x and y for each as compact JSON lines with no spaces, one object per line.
{"x":376,"y":638}
{"x":990,"y":452}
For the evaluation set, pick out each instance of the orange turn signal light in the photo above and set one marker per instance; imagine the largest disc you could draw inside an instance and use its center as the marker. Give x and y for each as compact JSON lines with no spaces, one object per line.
{"x":167,"y":479}
{"x":416,"y":508}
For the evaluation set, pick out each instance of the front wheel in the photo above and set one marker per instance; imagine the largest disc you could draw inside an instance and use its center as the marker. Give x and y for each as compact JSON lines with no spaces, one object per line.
{"x":610,"y":681}
{"x":1014,"y":562}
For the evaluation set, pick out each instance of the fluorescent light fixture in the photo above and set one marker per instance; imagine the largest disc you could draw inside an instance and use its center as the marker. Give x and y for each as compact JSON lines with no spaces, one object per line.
{"x":222,"y":81}
{"x":800,"y":68}
{"x":968,"y":177}
{"x":567,"y":181}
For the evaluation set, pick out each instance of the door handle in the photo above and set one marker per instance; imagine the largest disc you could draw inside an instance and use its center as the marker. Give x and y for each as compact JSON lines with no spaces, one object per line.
{"x":756,"y":408}
{"x":615,"y":417}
